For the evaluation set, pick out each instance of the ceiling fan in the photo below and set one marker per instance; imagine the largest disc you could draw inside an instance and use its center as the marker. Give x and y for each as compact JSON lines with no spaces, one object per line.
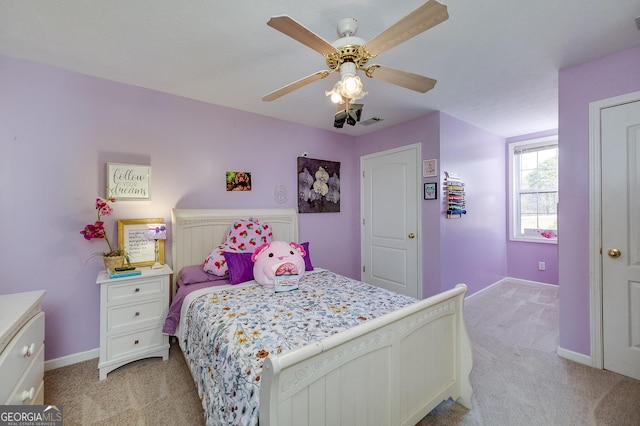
{"x":350,"y":53}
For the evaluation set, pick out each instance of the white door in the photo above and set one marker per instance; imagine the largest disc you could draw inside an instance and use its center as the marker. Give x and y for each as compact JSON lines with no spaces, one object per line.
{"x":620,"y":127}
{"x":390,"y":220}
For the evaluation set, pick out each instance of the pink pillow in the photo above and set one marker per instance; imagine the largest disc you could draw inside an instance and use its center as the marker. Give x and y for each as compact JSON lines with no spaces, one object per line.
{"x":243,"y":236}
{"x":247,"y":235}
{"x":215,"y":263}
{"x":240,"y":266}
{"x":308,"y":266}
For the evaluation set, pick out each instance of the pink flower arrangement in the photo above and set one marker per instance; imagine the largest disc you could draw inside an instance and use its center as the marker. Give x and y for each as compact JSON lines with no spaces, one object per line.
{"x":548,"y":233}
{"x":96,"y":230}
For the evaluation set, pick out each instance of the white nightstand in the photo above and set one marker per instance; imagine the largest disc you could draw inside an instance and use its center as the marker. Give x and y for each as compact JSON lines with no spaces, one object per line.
{"x":132,"y":313}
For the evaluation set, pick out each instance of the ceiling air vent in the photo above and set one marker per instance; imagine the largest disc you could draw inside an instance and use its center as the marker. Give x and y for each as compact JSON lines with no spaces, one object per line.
{"x":370,"y":121}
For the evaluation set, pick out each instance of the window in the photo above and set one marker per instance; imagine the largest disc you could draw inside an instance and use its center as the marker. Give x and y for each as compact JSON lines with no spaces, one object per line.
{"x":533,"y":196}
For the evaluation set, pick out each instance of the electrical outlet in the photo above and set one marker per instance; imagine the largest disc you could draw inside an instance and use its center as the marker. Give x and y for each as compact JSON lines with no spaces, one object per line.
{"x":541,"y":266}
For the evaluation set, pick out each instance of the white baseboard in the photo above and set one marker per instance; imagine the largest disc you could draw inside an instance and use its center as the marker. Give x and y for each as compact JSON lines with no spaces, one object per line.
{"x":486,"y":288}
{"x":52,"y":364}
{"x":527,"y":282}
{"x":575,"y":356}
{"x":509,"y":279}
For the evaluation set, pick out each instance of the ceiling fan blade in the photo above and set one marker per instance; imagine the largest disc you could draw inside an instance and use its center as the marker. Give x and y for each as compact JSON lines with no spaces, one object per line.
{"x":287,"y":25}
{"x":295,"y":85}
{"x":404,"y":79}
{"x":426,"y":16}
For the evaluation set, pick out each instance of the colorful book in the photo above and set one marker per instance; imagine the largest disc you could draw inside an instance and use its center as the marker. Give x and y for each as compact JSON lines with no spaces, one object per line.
{"x":286,"y":282}
{"x":122,"y":274}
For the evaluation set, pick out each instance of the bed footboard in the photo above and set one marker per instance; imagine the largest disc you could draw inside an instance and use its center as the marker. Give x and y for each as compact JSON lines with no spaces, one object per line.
{"x":391,"y":370}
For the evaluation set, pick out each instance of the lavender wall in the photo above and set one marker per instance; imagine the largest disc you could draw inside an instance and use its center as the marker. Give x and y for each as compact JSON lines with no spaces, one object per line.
{"x":523,"y":257}
{"x":473,"y":247}
{"x":60,"y":128}
{"x":611,"y":76}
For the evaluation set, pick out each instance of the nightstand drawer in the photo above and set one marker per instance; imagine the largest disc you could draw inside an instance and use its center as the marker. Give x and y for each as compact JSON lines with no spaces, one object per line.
{"x":122,"y":318}
{"x":125,"y":345}
{"x":138,"y":288}
{"x":20,"y":353}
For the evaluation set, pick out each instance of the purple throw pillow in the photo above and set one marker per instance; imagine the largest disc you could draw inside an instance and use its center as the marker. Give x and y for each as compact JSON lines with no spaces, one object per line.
{"x":308,"y":266}
{"x":240,"y":266}
{"x":194,"y":274}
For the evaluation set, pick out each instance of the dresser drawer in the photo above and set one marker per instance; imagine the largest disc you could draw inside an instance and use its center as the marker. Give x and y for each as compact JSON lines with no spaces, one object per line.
{"x":128,"y":344}
{"x":20,"y":353}
{"x":131,"y":290}
{"x":123,"y":318}
{"x":29,"y":390}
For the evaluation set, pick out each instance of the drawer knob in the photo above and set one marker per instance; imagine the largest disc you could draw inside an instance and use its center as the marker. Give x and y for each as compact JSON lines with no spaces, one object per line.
{"x":28,"y":394}
{"x":136,"y":342}
{"x":27,"y":351}
{"x":137,"y":290}
{"x":137,"y":314}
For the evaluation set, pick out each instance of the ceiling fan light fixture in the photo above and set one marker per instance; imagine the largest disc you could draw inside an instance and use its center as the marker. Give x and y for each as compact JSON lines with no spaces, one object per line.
{"x":337,"y":98}
{"x":350,"y":84}
{"x":335,"y":93}
{"x":351,"y":87}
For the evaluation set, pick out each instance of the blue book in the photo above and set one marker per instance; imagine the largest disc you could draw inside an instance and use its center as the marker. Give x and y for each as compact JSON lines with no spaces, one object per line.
{"x":116,"y":274}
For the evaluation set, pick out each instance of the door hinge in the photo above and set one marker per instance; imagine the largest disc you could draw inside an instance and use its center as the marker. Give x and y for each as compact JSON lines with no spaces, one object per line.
{"x":362,"y":268}
{"x":363,"y":220}
{"x":363,"y":173}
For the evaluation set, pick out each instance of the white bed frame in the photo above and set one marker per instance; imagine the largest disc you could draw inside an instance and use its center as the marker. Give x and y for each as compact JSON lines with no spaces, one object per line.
{"x":391,"y":370}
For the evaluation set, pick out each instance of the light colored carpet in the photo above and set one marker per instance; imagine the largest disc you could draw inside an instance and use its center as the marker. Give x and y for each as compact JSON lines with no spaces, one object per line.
{"x":517,"y":377}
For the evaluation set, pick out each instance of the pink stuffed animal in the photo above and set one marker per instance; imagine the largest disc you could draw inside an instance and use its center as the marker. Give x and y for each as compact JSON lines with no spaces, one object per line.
{"x":277,"y":258}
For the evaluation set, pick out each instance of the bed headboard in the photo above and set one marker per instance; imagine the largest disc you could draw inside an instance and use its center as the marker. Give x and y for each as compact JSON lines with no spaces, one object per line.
{"x":195,"y":232}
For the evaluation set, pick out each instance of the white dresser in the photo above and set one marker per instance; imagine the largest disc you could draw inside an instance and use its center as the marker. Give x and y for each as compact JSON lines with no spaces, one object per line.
{"x":22,"y":348}
{"x":132,"y":313}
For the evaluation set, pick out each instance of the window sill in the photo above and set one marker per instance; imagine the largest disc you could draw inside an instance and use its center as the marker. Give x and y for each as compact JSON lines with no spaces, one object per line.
{"x":540,"y":240}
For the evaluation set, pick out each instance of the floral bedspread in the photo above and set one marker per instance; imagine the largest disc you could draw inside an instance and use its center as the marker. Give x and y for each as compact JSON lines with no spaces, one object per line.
{"x":229,"y":332}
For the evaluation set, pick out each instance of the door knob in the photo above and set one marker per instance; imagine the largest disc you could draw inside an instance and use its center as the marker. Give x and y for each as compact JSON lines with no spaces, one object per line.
{"x":412,"y":235}
{"x":614,"y":252}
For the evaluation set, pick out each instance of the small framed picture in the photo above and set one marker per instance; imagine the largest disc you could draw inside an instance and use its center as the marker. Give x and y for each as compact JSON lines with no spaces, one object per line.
{"x":431,"y":190}
{"x":238,"y":181}
{"x":430,"y":168}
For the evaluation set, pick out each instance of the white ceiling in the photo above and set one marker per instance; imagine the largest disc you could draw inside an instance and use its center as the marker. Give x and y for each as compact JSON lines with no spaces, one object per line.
{"x":496,"y":61}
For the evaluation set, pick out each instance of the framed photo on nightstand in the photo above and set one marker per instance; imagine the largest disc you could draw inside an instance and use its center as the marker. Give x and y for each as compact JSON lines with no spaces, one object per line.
{"x":132,"y":238}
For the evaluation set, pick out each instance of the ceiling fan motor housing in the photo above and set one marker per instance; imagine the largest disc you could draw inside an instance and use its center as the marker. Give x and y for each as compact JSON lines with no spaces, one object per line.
{"x":348,"y":49}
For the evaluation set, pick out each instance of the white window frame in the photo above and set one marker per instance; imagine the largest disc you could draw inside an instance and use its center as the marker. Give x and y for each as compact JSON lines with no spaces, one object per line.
{"x":514,"y":234}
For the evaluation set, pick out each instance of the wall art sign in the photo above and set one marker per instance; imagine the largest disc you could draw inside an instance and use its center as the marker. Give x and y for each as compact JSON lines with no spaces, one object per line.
{"x":238,"y":181}
{"x":128,"y":181}
{"x":132,"y":237}
{"x":318,"y":186}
